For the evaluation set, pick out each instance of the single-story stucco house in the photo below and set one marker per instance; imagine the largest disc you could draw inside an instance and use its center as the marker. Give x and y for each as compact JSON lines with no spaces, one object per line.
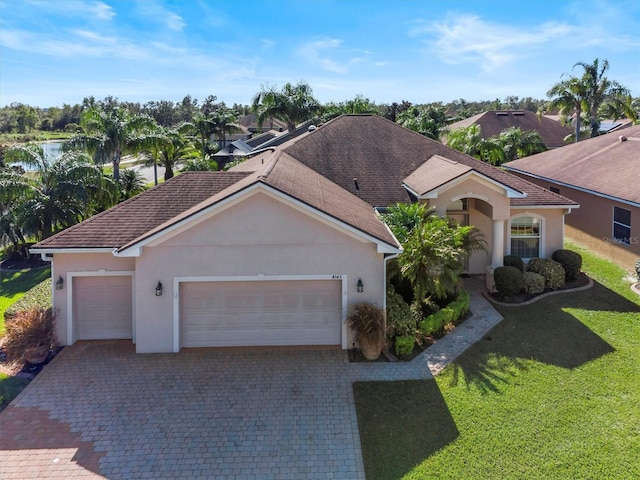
{"x":274,"y":251}
{"x":602,"y":174}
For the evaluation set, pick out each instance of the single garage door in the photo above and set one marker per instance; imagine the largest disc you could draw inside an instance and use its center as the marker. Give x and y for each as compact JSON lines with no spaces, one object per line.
{"x":275,"y":312}
{"x":102,"y":307}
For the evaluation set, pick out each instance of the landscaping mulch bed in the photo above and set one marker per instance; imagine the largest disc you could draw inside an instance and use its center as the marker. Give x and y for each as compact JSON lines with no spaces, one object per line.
{"x":581,"y":281}
{"x":25,"y":369}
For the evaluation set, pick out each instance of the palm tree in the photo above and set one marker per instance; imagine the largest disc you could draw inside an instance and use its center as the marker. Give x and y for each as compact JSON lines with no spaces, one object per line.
{"x":426,"y":120}
{"x":110,"y":134}
{"x":469,"y":140}
{"x":433,"y":249}
{"x":14,"y":187}
{"x":169,"y":147}
{"x":203,"y":125}
{"x":569,"y":97}
{"x":224,"y":121}
{"x":132,"y":182}
{"x":517,"y":143}
{"x":63,"y":191}
{"x":294,"y":104}
{"x":599,"y":90}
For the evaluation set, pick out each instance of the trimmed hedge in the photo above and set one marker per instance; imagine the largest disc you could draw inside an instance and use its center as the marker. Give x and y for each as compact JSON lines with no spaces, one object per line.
{"x":435,"y":323}
{"x":508,"y":280}
{"x":551,"y":270}
{"x":532,"y":282}
{"x":37,"y":297}
{"x":571,"y":262}
{"x":513,"y":261}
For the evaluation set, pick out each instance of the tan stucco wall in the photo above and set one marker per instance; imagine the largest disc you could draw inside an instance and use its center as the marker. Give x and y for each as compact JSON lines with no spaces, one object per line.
{"x":592,"y":224}
{"x":474,"y":187}
{"x":64,"y":263}
{"x":260,"y":235}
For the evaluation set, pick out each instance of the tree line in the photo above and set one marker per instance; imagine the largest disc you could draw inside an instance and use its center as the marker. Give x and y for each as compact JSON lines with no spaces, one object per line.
{"x":60,"y":192}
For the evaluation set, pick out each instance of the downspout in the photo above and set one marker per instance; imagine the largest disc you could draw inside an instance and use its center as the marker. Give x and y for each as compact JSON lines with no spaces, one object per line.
{"x":384,"y":276}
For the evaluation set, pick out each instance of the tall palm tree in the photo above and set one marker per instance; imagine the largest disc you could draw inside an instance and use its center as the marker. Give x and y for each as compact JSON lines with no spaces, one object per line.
{"x":169,"y":147}
{"x":569,"y":97}
{"x":224,"y":121}
{"x":62,"y":192}
{"x":293,"y":104}
{"x":203,"y":125}
{"x":599,"y":90}
{"x":131,"y":183}
{"x":110,"y":134}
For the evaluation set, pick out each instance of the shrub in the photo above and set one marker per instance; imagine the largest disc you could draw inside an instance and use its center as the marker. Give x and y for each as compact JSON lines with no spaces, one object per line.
{"x":508,"y":280}
{"x":404,"y":344}
{"x":637,"y":266}
{"x":532,"y":282}
{"x":551,"y":270}
{"x":513,"y":261}
{"x":434,"y":323}
{"x":38,"y":297}
{"x":29,"y":329}
{"x":571,"y":262}
{"x":400,"y":319}
{"x":460,"y":305}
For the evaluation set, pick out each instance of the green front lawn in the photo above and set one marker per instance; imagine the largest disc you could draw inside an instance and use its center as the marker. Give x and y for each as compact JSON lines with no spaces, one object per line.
{"x":552,"y":392}
{"x":10,"y":387}
{"x":14,"y":284}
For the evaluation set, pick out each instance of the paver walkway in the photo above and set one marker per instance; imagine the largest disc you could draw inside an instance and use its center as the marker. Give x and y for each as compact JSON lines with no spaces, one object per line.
{"x":101,"y":411}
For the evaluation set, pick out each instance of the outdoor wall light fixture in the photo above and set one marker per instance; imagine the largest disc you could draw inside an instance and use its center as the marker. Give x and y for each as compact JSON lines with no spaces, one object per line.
{"x":360,"y":286}
{"x":159,"y":289}
{"x":59,"y":283}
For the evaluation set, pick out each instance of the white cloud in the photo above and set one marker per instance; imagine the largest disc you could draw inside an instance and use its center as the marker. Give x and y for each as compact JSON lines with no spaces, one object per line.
{"x":81,"y":8}
{"x":155,"y":11}
{"x":311,"y":52}
{"x":467,"y":38}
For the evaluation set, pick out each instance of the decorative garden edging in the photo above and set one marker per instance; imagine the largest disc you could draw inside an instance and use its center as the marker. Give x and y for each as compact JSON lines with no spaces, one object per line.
{"x":541,"y":296}
{"x":635,"y":287}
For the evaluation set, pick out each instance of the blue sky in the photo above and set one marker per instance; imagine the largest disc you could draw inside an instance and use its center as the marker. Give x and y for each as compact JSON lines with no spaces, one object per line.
{"x":60,"y":51}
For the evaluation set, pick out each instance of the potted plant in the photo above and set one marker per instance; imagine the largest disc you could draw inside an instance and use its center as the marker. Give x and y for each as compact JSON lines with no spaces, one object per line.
{"x":368,"y":324}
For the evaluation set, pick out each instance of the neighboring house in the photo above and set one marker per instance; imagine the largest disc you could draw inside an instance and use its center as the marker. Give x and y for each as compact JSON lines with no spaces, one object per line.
{"x":273,"y":251}
{"x":492,"y":122}
{"x":603,"y":175}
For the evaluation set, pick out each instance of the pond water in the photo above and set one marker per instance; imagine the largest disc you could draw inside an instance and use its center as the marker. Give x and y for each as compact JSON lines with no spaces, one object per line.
{"x":52,"y":150}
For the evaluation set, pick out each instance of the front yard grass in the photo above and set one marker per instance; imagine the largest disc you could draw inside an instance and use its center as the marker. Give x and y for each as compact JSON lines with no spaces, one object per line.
{"x":552,"y":392}
{"x":10,"y":387}
{"x":15,"y":283}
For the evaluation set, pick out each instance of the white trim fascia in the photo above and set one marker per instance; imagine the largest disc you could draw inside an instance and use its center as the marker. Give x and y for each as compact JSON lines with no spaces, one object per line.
{"x":44,"y":251}
{"x":575,"y":187}
{"x":497,"y":186}
{"x":257,"y":278}
{"x":99,"y":273}
{"x":218,"y":207}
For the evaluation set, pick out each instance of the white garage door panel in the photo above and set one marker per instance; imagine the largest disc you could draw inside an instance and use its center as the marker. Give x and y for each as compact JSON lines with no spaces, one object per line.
{"x":103,"y":307}
{"x":245,"y":313}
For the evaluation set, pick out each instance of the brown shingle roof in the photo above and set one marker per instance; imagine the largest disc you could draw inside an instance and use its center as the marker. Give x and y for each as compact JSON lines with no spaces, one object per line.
{"x":136,"y":216}
{"x":433,"y":173}
{"x":602,"y":164}
{"x":381,"y":154}
{"x":180,"y":198}
{"x":493,"y":122}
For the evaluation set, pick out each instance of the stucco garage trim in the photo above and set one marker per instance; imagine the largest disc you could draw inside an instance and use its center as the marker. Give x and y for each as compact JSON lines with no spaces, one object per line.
{"x":98,"y":273}
{"x":255,"y":278}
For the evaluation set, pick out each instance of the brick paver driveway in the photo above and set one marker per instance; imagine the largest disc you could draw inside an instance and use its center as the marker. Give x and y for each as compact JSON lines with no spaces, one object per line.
{"x":99,"y":409}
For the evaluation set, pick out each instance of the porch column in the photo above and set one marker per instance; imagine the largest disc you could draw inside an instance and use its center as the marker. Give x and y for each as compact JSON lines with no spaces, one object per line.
{"x":497,"y":250}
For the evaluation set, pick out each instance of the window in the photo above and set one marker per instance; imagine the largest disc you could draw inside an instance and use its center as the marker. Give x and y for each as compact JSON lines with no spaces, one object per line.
{"x":525,"y":237}
{"x":622,"y":225}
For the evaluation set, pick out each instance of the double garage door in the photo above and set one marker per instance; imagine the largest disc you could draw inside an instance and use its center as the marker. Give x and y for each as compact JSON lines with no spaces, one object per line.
{"x":252,"y":313}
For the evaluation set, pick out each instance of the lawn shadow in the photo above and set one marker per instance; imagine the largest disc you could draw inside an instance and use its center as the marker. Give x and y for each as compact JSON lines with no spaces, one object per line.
{"x":13,"y":282}
{"x":401,"y":424}
{"x":543,"y":332}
